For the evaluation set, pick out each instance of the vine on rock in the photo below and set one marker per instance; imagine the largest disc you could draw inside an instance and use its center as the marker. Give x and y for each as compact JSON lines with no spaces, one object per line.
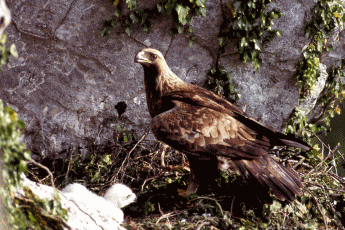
{"x":251,"y":26}
{"x":328,"y":15}
{"x":181,"y":12}
{"x":221,"y":83}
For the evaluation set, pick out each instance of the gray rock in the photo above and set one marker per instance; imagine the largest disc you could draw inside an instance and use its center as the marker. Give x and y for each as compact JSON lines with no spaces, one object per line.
{"x":310,"y":100}
{"x":270,"y":93}
{"x":68,"y":78}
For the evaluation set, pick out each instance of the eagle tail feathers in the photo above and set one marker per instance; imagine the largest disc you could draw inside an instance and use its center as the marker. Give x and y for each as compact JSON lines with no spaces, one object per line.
{"x":284,"y":183}
{"x":294,"y":143}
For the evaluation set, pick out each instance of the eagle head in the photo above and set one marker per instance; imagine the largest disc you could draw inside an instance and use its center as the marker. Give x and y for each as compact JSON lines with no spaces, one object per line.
{"x":149,"y":57}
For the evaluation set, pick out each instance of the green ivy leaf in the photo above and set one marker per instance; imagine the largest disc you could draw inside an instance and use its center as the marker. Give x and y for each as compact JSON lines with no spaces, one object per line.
{"x":202,"y":12}
{"x":200,"y":3}
{"x":256,"y":63}
{"x":329,"y":48}
{"x":245,"y":56}
{"x":3,"y":38}
{"x":263,"y":18}
{"x":107,"y":159}
{"x":126,"y":137}
{"x":133,"y":18}
{"x":256,"y":44}
{"x":128,"y":31}
{"x":222,"y":41}
{"x":159,"y":8}
{"x":117,"y":13}
{"x":275,"y":206}
{"x":13,"y":50}
{"x":131,"y":4}
{"x":275,"y":14}
{"x":191,"y":41}
{"x":119,"y":127}
{"x":168,"y":8}
{"x":190,"y":29}
{"x":243,"y":43}
{"x":182,"y":12}
{"x":180,"y":29}
{"x":105,"y":31}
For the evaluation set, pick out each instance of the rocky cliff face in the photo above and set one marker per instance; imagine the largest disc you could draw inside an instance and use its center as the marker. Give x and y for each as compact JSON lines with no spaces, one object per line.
{"x":68,"y":78}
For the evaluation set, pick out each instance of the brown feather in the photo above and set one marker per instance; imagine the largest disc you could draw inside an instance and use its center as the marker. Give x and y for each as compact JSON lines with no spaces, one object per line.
{"x":211,"y":130}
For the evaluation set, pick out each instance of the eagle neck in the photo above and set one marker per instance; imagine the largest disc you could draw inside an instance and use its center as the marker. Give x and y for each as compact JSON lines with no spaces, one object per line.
{"x":159,"y":80}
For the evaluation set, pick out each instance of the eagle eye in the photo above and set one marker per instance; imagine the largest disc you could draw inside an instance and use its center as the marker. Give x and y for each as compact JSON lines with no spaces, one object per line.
{"x":154,"y":56}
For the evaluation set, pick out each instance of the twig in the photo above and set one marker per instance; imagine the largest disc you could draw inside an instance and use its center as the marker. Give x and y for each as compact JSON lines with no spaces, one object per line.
{"x":203,"y":224}
{"x":208,"y":198}
{"x":299,"y":162}
{"x":319,"y":209}
{"x":64,"y":18}
{"x":146,"y":180}
{"x":164,"y":147}
{"x":45,"y":168}
{"x":323,"y":188}
{"x":229,"y":54}
{"x":232,"y":205}
{"x":193,"y":66}
{"x":341,"y":155}
{"x":334,"y":164}
{"x":27,"y":32}
{"x":139,"y":41}
{"x":171,"y":41}
{"x":164,"y":216}
{"x":123,"y":162}
{"x":33,"y":175}
{"x":337,"y":178}
{"x":69,"y":166}
{"x":321,"y":132}
{"x":331,"y":152}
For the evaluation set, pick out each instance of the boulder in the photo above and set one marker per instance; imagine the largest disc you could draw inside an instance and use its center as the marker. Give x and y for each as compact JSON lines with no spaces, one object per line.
{"x":68,"y":78}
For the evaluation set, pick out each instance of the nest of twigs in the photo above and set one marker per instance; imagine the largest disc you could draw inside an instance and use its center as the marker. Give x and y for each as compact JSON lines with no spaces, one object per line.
{"x":156,"y":172}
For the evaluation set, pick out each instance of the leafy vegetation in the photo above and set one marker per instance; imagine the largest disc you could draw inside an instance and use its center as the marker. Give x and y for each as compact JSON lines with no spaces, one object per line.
{"x":251,"y":24}
{"x":327,"y":16}
{"x":29,"y":210}
{"x":14,"y":158}
{"x":5,"y":51}
{"x":221,"y":82}
{"x":180,"y":11}
{"x":248,"y":22}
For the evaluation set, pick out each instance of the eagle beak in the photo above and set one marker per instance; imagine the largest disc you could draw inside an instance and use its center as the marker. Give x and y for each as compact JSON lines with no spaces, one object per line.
{"x":140,"y":58}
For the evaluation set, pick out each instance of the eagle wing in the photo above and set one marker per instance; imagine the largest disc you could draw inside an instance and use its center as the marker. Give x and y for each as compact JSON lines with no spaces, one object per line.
{"x":200,"y":130}
{"x":200,"y":97}
{"x":203,"y":128}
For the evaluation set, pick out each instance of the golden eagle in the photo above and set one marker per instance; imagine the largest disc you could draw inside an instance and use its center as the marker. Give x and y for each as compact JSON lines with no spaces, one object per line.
{"x":212,"y":132}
